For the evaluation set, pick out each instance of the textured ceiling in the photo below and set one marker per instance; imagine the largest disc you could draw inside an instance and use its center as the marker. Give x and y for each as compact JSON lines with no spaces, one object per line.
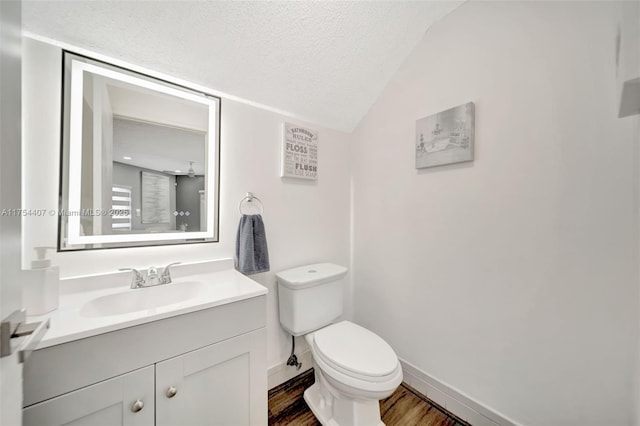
{"x":325,"y":62}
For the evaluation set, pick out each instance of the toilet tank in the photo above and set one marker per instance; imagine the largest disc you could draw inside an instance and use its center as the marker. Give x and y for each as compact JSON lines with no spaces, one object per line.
{"x":310,"y":297}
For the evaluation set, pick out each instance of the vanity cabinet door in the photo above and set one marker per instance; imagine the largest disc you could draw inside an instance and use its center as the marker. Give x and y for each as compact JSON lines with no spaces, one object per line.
{"x":220,"y":384}
{"x":124,"y":400}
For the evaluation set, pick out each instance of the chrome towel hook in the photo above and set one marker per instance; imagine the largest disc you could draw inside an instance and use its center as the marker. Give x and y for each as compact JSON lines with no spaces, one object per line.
{"x":250,"y":198}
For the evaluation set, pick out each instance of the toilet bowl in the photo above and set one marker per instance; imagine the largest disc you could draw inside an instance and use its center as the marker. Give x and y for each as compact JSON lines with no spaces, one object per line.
{"x":354,"y":368}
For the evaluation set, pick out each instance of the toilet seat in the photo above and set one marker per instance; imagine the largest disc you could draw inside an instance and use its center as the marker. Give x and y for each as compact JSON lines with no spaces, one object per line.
{"x":353,"y":351}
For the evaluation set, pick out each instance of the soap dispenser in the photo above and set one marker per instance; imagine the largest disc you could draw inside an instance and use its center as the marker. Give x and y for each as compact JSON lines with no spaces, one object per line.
{"x":41,"y":285}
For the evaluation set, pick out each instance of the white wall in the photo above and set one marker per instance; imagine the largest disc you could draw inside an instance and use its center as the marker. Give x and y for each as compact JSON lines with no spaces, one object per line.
{"x":513,"y":278}
{"x":305,"y":222}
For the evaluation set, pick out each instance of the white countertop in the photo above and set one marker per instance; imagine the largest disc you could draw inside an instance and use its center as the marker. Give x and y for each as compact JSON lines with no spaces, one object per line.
{"x":70,"y":321}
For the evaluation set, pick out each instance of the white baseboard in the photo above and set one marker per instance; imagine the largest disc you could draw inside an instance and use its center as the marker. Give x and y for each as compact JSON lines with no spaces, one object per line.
{"x":452,"y":399}
{"x":282,"y":372}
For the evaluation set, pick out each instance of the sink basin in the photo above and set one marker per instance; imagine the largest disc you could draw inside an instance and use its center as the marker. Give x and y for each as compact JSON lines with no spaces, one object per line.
{"x":142,"y":299}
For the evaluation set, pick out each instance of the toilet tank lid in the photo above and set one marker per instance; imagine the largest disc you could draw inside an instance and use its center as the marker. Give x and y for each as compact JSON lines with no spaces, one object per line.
{"x":310,"y":275}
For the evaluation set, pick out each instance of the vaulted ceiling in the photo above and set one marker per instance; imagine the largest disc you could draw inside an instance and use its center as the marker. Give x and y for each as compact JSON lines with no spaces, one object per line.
{"x":325,"y":62}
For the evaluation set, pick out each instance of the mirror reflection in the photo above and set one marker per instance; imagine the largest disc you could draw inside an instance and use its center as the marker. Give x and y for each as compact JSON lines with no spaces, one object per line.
{"x":139,"y":160}
{"x":164,"y":189}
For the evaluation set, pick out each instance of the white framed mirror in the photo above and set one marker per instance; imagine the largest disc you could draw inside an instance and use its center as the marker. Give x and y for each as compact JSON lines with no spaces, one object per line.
{"x":140,"y":159}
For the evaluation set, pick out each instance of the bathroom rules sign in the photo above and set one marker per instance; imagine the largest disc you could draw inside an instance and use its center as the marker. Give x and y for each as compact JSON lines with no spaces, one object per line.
{"x":299,"y":152}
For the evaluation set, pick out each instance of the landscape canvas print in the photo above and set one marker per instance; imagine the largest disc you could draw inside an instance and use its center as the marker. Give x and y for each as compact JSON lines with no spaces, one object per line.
{"x":445,"y":137}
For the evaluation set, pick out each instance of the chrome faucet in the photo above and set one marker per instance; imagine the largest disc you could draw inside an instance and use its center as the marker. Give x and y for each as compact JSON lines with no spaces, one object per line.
{"x":151,"y":276}
{"x":165,"y":278}
{"x":137,"y":280}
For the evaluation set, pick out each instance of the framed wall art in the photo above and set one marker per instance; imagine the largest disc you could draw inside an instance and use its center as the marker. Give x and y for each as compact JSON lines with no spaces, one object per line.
{"x":446,"y":137}
{"x":299,"y":152}
{"x":155,"y":198}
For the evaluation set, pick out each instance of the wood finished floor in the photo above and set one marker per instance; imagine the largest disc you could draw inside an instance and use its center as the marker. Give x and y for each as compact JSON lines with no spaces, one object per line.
{"x":405,"y":407}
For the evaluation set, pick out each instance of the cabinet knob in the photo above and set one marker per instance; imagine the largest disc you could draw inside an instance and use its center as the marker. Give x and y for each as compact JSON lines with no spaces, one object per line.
{"x":171,"y":392}
{"x":137,"y":406}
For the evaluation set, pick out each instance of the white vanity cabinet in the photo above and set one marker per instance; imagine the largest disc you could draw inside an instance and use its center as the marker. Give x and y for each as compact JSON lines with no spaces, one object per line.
{"x":212,"y":386}
{"x":124,"y":400}
{"x":206,"y":367}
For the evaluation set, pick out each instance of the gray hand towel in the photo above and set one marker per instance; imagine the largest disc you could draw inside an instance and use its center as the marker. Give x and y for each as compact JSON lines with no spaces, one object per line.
{"x":252,"y":256}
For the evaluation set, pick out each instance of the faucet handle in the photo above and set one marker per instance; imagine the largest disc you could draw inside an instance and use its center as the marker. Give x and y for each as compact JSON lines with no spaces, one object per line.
{"x":138,"y":278}
{"x":166,"y":273}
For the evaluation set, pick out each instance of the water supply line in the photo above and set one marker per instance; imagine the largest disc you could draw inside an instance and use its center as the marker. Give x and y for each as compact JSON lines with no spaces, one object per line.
{"x":293,"y":359}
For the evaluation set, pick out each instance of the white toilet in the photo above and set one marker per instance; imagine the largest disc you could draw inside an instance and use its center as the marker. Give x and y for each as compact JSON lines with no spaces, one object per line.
{"x":354,"y":367}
